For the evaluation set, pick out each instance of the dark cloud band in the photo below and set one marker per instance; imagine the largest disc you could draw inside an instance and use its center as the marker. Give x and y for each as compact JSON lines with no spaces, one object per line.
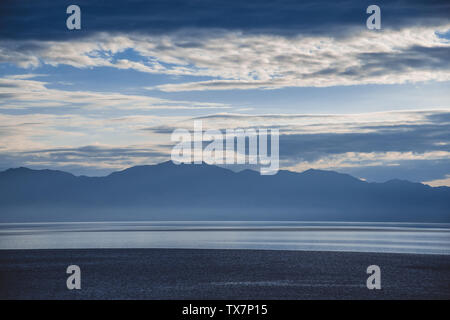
{"x":46,"y":19}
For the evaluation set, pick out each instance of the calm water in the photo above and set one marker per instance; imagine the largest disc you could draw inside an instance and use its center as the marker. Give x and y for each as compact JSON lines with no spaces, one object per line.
{"x":319,"y":236}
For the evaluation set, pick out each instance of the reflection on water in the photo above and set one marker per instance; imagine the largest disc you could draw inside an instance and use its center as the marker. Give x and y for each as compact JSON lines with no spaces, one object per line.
{"x":431,"y":238}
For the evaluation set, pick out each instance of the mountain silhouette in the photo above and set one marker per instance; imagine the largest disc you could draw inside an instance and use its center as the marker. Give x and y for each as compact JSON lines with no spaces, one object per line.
{"x":204,"y":192}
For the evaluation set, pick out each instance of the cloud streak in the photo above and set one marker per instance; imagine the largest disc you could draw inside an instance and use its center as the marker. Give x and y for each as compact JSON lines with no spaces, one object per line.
{"x":19,"y":92}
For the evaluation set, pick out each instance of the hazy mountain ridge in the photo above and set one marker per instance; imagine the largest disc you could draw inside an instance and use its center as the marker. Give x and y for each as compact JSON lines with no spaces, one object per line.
{"x":169,"y":191}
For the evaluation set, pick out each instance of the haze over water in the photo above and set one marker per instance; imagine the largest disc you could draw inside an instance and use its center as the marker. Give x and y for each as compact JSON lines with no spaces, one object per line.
{"x":423,"y":238}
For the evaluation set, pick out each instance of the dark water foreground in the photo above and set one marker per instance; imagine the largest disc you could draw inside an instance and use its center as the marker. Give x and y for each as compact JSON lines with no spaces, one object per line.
{"x":220,"y":274}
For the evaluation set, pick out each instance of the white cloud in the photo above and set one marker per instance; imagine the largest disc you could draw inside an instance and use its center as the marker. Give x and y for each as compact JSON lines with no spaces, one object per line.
{"x":365,"y":159}
{"x":439,"y":182}
{"x":20,"y":91}
{"x":292,"y":124}
{"x":236,"y":60}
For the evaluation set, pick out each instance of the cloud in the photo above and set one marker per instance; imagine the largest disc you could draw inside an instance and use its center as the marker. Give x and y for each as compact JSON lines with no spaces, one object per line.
{"x":413,"y":138}
{"x":361,"y":162}
{"x":418,"y":170}
{"x":310,"y":124}
{"x":45,"y":19}
{"x":88,"y":160}
{"x":439,"y":182}
{"x":413,"y":145}
{"x":19,"y":92}
{"x":21,"y":133}
{"x":270,"y":62}
{"x":239,"y":60}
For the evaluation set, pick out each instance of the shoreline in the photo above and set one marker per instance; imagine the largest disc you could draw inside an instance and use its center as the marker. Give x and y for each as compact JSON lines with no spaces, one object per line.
{"x":220,"y":274}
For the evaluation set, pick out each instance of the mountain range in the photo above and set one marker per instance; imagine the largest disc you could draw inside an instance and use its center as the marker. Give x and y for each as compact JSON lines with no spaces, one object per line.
{"x":204,"y":192}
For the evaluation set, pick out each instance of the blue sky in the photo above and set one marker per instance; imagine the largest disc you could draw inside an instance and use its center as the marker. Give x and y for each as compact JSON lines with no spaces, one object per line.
{"x":373,"y":103}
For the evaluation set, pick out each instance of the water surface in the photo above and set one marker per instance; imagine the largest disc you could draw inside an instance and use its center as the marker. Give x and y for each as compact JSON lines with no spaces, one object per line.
{"x":424,"y":238}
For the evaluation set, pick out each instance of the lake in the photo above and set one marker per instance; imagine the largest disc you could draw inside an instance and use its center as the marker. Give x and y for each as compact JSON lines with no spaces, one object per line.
{"x":423,"y":238}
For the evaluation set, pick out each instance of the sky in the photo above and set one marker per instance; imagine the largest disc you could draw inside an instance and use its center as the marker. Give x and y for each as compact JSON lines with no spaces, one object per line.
{"x":372,"y":103}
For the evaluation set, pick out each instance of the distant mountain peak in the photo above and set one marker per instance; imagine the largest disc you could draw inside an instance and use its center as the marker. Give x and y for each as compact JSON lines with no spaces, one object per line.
{"x":19,"y":169}
{"x":25,"y":170}
{"x":330,"y":174}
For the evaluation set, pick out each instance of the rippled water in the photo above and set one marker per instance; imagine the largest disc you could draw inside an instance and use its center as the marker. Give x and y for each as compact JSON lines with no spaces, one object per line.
{"x":316,"y":236}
